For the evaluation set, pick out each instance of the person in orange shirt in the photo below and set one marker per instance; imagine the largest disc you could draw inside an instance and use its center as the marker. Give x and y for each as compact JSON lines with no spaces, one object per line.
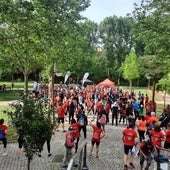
{"x":142,"y":128}
{"x":60,"y":116}
{"x":152,"y":118}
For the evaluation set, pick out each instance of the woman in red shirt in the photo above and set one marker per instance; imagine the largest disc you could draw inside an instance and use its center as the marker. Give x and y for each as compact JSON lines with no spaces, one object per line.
{"x":3,"y":129}
{"x":76,"y":134}
{"x":60,"y":115}
{"x":98,"y":134}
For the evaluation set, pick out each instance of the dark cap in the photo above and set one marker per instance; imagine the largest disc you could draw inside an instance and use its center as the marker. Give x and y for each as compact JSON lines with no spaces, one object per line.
{"x":157,"y":128}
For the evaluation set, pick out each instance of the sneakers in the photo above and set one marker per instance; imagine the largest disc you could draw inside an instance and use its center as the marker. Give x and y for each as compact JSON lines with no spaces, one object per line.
{"x":64,"y":166}
{"x":4,"y":154}
{"x":75,"y":165}
{"x":131,"y":166}
{"x":49,"y":154}
{"x":125,"y":167}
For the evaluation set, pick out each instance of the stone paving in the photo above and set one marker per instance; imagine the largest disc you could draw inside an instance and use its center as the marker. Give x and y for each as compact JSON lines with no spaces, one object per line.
{"x":110,"y":156}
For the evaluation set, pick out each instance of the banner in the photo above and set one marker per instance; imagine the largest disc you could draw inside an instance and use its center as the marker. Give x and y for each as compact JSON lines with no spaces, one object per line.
{"x":67,"y":76}
{"x":85,"y":78}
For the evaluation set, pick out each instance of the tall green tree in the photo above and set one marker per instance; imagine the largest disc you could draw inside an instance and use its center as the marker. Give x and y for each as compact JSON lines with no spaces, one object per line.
{"x":152,"y":30}
{"x":116,"y":40}
{"x":37,"y":30}
{"x":130,"y":68}
{"x":153,"y":27}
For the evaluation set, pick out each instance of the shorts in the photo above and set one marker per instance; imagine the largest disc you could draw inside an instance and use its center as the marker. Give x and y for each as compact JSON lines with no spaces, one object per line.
{"x":95,"y":142}
{"x":127,"y":149}
{"x":167,"y":145}
{"x":60,"y":120}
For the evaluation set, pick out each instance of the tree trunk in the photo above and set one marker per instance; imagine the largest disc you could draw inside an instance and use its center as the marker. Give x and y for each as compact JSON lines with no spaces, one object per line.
{"x":26,"y":84}
{"x":153,"y":90}
{"x":164,"y":98}
{"x":52,"y":92}
{"x":130,"y":83}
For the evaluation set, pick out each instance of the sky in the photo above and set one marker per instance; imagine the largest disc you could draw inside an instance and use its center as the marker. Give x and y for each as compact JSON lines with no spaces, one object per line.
{"x":100,"y":9}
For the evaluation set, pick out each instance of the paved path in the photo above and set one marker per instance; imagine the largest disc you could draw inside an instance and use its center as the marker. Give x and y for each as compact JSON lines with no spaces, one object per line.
{"x":110,"y":156}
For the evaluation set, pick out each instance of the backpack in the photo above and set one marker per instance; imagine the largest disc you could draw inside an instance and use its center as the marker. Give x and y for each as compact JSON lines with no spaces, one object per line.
{"x":1,"y":134}
{"x":82,"y":120}
{"x":103,"y":119}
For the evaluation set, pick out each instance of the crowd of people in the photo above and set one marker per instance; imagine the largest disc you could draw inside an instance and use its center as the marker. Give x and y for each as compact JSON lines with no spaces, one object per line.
{"x":101,"y":106}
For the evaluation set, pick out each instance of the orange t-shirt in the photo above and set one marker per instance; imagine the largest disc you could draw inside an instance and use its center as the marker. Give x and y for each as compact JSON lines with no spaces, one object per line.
{"x":142,"y":125}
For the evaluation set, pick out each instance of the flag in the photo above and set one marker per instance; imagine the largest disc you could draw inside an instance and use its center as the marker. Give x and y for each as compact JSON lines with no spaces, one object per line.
{"x":67,"y":76}
{"x":85,"y":78}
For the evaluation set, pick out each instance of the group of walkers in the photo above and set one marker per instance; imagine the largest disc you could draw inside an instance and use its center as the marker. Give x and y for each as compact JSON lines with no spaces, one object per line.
{"x":94,"y":105}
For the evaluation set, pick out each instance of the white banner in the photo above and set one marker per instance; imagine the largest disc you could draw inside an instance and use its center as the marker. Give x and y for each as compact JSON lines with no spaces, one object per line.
{"x":67,"y":76}
{"x":85,"y":78}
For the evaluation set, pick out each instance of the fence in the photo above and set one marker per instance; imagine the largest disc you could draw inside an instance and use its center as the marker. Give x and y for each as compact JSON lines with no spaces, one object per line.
{"x":161,"y":159}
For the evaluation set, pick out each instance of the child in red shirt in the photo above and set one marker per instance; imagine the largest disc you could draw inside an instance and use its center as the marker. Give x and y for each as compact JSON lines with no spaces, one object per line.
{"x":3,"y":129}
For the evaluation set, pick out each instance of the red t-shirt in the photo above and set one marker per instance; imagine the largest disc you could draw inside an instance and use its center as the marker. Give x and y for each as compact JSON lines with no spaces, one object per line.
{"x":129,"y":136}
{"x":60,"y":111}
{"x":167,"y":136}
{"x":96,"y":133}
{"x":156,"y":138}
{"x":107,"y":108}
{"x":4,"y":128}
{"x":76,"y":133}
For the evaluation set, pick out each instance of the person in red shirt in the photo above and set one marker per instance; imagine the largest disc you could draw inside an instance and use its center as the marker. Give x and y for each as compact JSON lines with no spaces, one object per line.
{"x":167,"y":138}
{"x":4,"y":129}
{"x":130,"y":140}
{"x":69,"y":144}
{"x":98,"y":134}
{"x":147,"y":149}
{"x":157,"y":136}
{"x":76,"y":134}
{"x":107,"y":111}
{"x":60,"y":116}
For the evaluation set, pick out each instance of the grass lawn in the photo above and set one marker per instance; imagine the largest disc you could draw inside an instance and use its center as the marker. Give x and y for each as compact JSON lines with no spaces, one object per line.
{"x":10,"y":95}
{"x":17,"y":85}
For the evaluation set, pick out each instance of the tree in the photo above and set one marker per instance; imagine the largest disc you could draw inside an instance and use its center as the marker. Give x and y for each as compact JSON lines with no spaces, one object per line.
{"x":163,"y":85}
{"x":130,"y":68}
{"x":116,"y":40}
{"x":37,"y":30}
{"x":32,"y":120}
{"x":153,"y":27}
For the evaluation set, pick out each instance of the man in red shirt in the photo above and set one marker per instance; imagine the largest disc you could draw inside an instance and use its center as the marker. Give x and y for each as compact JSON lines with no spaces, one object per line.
{"x":157,"y":136}
{"x":60,"y":116}
{"x":129,"y":139}
{"x":3,"y":129}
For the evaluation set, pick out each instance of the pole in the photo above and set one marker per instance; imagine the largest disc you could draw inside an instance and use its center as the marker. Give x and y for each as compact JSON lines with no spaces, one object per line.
{"x":84,"y":158}
{"x":52,"y":93}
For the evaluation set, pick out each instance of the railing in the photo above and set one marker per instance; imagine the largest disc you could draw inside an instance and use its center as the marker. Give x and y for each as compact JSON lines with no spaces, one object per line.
{"x":81,"y":156}
{"x":158,"y":161}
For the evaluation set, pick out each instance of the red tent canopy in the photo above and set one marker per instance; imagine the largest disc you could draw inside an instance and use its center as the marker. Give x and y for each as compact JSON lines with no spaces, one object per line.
{"x":106,"y":83}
